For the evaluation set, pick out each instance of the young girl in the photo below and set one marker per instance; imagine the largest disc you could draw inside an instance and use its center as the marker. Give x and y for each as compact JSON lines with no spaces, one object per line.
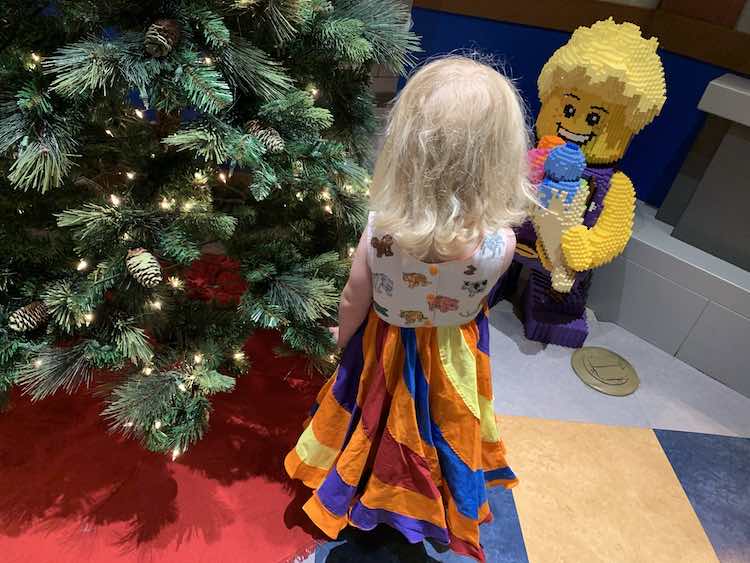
{"x":404,"y":434}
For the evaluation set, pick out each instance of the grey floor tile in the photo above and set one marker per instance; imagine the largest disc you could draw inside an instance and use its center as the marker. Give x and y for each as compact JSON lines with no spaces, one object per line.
{"x":532,"y":380}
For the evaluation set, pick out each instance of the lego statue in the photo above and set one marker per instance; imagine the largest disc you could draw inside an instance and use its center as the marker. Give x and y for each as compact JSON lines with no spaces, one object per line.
{"x":597,"y":92}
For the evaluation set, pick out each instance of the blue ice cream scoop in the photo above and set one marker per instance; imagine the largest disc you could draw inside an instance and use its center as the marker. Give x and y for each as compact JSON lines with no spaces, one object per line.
{"x":562,"y":171}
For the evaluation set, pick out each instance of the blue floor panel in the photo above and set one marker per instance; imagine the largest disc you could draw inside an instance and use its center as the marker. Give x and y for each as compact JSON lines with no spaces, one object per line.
{"x":715,"y":473}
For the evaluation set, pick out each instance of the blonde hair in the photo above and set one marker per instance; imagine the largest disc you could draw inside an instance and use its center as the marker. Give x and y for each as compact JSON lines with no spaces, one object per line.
{"x":454,"y":163}
{"x":614,"y":58}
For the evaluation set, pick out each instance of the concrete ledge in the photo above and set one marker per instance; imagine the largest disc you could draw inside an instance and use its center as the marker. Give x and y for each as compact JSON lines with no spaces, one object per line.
{"x":680,"y":298}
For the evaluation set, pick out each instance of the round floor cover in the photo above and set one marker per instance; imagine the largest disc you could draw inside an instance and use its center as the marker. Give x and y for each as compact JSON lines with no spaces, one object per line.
{"x":605,"y":371}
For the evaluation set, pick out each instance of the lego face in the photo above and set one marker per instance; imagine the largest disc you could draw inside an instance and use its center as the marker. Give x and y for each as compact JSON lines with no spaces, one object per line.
{"x":594,"y":123}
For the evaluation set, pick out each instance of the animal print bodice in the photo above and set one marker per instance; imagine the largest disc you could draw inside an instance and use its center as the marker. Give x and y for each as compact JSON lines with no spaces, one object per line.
{"x":411,"y":293}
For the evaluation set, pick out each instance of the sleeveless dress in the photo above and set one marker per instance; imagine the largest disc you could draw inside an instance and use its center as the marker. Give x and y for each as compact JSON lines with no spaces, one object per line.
{"x":405,"y":433}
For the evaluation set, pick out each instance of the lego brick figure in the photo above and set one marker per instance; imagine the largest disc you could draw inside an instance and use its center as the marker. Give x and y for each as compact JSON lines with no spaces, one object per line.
{"x":597,"y":91}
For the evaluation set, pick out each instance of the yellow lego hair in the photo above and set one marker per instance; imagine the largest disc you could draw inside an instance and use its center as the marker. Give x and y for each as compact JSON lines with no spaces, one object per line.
{"x":607,"y":54}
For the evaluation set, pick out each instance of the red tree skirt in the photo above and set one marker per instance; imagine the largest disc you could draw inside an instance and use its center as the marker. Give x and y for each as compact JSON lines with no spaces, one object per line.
{"x":71,"y":492}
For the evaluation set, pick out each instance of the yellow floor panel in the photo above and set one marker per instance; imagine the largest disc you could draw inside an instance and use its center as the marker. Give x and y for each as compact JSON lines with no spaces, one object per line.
{"x":593,"y":493}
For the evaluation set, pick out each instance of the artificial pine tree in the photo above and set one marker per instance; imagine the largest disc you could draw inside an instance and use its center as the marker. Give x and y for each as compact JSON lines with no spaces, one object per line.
{"x":177,"y":174}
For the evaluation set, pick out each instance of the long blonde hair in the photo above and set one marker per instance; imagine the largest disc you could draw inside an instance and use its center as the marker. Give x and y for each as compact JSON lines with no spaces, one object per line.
{"x":453,"y":166}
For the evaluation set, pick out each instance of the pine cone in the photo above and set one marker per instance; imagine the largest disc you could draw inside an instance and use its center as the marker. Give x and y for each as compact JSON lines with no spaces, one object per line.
{"x":266,"y":135}
{"x":162,"y":37}
{"x":28,"y":317}
{"x":144,"y":267}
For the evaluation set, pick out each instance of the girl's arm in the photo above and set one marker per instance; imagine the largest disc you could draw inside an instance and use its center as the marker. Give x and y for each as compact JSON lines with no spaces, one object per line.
{"x":356,"y":298}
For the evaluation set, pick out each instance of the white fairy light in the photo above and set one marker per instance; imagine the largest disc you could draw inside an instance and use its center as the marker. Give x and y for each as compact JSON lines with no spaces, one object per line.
{"x":351,"y":251}
{"x":200,"y":177}
{"x":38,"y":363}
{"x":239,"y":356}
{"x":130,"y":175}
{"x":157,"y":424}
{"x":314,"y":92}
{"x":176,"y":282}
{"x":207,"y":60}
{"x":36,"y":58}
{"x":327,"y":209}
{"x":148,"y":370}
{"x":325,"y":194}
{"x":198,"y":358}
{"x":348,"y":188}
{"x":176,"y":453}
{"x":166,"y":204}
{"x":156,"y":304}
{"x":223,"y":177}
{"x":139,"y":113}
{"x":82,"y":265}
{"x":300,"y":196}
{"x":182,"y":387}
{"x":109,"y":132}
{"x":128,"y":424}
{"x":89,"y":318}
{"x":115,"y":199}
{"x":153,"y":155}
{"x":188,"y":205}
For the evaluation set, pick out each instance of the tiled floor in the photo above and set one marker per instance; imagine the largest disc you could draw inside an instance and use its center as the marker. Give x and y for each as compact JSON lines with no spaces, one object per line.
{"x":597,"y":483}
{"x":532,"y":380}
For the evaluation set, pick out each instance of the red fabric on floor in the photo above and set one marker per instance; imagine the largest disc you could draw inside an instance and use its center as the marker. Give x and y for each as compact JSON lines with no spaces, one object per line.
{"x":71,"y":492}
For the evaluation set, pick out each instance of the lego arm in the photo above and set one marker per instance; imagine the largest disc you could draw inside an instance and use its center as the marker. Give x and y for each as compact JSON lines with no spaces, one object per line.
{"x":584,"y":248}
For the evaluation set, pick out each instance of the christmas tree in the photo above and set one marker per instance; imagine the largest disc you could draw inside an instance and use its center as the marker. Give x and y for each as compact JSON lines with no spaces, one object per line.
{"x":176,"y":175}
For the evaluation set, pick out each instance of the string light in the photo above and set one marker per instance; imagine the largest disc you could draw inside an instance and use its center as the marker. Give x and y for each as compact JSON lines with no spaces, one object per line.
{"x":208,"y":60}
{"x":348,"y":188}
{"x":223,"y":177}
{"x":166,"y":204}
{"x":314,"y":92}
{"x":36,"y":58}
{"x":198,"y":358}
{"x":156,"y":304}
{"x":300,"y":196}
{"x":130,"y":175}
{"x":176,"y":453}
{"x":20,"y":211}
{"x":109,"y":132}
{"x":126,"y":237}
{"x":332,"y":358}
{"x":239,"y":356}
{"x":153,"y":155}
{"x":327,"y":209}
{"x":115,"y":199}
{"x":128,"y":424}
{"x":200,"y":178}
{"x":89,"y":318}
{"x":157,"y":424}
{"x":38,"y":363}
{"x":176,"y":282}
{"x":325,"y":194}
{"x":188,"y":205}
{"x":182,"y":387}
{"x":351,"y":251}
{"x":148,"y":370}
{"x":139,"y":113}
{"x":82,"y":265}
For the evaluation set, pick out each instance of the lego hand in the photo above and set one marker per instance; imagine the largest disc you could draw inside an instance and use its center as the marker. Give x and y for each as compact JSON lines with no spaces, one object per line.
{"x":577,"y":248}
{"x":584,"y":248}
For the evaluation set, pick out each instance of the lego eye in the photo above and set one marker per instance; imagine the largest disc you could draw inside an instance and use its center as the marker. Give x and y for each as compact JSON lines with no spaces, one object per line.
{"x":593,"y":118}
{"x":569,"y":110}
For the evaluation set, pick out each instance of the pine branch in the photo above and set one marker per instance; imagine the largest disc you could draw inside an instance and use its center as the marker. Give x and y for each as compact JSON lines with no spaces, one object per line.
{"x":252,"y":70}
{"x":203,"y":85}
{"x":385,"y":27}
{"x":54,"y":369}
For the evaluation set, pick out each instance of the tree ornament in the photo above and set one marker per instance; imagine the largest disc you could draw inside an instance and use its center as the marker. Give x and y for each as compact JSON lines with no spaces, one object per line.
{"x":29,"y":317}
{"x":144,"y":267}
{"x":266,"y":135}
{"x":162,"y":37}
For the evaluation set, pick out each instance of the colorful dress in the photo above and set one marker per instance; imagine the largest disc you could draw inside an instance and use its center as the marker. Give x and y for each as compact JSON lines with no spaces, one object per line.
{"x":404,"y":433}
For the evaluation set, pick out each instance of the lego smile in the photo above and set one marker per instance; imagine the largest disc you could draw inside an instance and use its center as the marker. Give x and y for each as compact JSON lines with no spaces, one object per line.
{"x":574,"y":137}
